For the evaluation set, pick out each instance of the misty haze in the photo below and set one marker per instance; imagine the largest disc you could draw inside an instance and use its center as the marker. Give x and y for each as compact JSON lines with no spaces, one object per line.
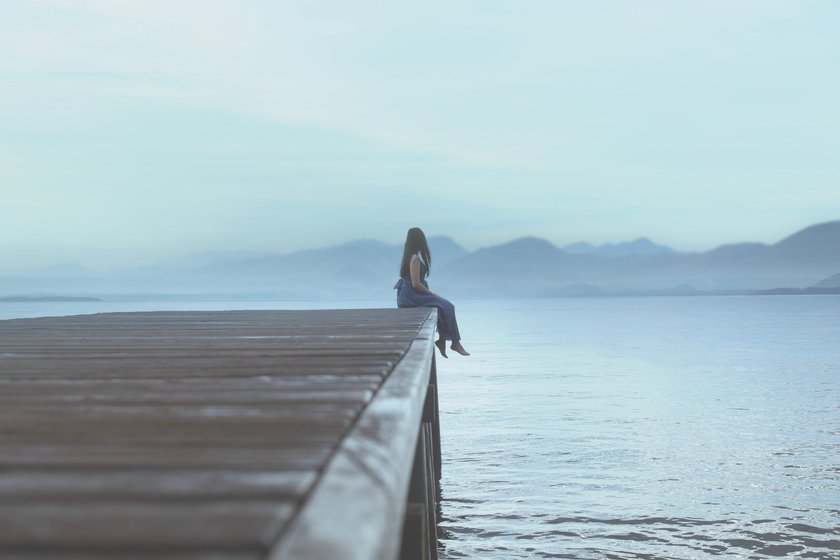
{"x":807,"y":261}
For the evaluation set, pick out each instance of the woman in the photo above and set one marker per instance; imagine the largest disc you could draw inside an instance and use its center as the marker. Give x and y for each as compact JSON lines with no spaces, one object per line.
{"x":413,"y":290}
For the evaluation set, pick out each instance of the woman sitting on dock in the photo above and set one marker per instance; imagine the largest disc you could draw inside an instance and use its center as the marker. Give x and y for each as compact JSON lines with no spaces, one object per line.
{"x":413,"y":290}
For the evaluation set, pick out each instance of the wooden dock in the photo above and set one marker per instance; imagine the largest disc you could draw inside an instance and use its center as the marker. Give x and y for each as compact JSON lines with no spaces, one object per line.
{"x":236,"y":435}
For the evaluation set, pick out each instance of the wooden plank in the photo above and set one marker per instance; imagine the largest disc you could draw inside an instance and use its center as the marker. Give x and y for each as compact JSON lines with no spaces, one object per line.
{"x":168,"y":395}
{"x":134,"y":525}
{"x":111,"y":554}
{"x":150,"y":485}
{"x":219,"y":455}
{"x":267,"y":387}
{"x":153,"y":370}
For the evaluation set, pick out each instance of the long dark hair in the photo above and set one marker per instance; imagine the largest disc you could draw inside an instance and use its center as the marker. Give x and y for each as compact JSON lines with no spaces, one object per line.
{"x":415,"y":240}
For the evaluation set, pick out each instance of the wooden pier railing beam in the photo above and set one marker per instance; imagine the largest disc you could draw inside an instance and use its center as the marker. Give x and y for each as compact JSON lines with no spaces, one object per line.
{"x":420,"y":531}
{"x":370,"y":472}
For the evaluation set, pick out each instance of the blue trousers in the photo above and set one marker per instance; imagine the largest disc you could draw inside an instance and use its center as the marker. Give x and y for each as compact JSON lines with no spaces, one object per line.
{"x":447,"y":325}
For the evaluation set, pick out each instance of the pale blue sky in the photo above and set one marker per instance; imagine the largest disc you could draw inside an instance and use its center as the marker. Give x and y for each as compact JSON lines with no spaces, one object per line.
{"x":136,"y":131}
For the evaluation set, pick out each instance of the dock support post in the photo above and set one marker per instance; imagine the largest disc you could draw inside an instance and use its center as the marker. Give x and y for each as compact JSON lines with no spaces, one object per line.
{"x":419,"y":540}
{"x":435,"y":418}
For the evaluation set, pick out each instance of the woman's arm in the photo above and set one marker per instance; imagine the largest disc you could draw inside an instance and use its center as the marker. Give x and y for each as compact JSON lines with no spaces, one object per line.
{"x":414,"y":269}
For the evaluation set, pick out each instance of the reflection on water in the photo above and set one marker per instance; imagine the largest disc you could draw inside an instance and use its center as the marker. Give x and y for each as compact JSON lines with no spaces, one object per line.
{"x":643,"y":428}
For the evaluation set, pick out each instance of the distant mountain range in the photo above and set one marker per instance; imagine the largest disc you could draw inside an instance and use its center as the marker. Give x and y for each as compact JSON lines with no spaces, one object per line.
{"x":526,"y":267}
{"x":832,"y":281}
{"x":640,"y":246}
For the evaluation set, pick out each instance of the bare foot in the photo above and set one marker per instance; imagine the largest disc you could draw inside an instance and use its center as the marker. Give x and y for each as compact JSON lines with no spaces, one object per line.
{"x":460,"y":349}
{"x":441,"y":344}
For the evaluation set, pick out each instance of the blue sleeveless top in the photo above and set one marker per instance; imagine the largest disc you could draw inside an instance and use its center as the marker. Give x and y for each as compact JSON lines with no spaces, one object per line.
{"x":424,"y":271}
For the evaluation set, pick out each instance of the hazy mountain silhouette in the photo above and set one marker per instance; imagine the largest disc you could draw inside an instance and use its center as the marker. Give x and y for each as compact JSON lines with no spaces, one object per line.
{"x":817,"y":243}
{"x":738,"y":252}
{"x":640,"y":246}
{"x":524,"y":267}
{"x":832,"y":281}
{"x":516,"y":268}
{"x":820,"y":242}
{"x":533,"y":266}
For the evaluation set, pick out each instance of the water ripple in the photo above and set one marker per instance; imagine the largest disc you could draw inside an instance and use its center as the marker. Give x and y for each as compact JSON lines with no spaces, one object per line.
{"x":684,"y":428}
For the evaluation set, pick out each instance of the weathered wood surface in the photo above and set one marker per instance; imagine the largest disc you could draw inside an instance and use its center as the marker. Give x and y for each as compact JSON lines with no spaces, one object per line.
{"x":190,"y":435}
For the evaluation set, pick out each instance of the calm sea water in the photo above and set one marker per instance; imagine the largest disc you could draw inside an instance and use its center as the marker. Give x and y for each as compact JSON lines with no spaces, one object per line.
{"x":629,"y":428}
{"x":701,"y":427}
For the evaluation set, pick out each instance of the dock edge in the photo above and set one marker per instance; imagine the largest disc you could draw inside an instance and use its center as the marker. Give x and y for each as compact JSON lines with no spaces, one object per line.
{"x":376,"y":498}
